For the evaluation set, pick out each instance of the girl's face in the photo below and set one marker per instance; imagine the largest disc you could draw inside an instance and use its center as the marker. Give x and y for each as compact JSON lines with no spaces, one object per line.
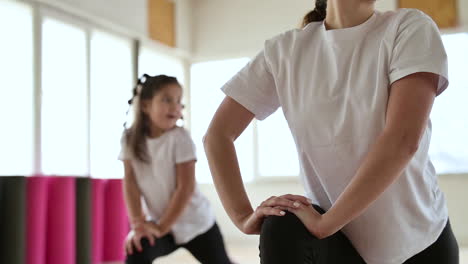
{"x":165,"y":108}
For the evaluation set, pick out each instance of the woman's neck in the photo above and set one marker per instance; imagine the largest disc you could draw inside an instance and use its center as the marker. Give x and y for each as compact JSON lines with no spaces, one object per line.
{"x":348,"y":13}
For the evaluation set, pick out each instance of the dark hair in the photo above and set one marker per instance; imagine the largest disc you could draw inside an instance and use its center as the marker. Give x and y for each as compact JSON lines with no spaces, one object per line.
{"x":146,"y":88}
{"x":318,"y":14}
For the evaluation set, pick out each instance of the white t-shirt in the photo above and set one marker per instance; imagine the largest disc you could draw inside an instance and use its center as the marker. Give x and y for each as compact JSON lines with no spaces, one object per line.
{"x":157,"y":182}
{"x":333,"y":87}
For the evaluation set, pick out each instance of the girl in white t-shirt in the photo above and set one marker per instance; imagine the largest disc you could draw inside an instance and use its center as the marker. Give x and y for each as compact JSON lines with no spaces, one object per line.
{"x":356,"y":87}
{"x":159,"y":160}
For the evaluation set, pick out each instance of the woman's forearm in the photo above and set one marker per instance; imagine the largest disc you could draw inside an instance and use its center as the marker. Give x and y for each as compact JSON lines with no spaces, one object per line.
{"x":222,"y":159}
{"x":384,"y":163}
{"x":408,"y":109}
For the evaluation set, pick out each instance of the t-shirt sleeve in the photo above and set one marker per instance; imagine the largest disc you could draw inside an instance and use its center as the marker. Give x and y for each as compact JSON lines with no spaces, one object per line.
{"x":419,"y":48}
{"x":124,"y":150}
{"x":254,"y":88}
{"x":184,"y":147}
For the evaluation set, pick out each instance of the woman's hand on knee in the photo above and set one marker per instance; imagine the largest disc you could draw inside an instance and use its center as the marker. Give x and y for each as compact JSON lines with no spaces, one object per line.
{"x":312,"y":220}
{"x":272,"y":206}
{"x":285,"y":201}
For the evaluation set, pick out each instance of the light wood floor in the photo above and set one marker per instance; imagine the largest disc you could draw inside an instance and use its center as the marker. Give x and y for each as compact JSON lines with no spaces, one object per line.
{"x":245,"y":254}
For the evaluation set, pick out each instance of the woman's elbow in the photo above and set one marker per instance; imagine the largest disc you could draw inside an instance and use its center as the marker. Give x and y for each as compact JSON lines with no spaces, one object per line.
{"x":410,"y":148}
{"x":209,"y":134}
{"x":205,"y":139}
{"x":402,"y":142}
{"x":407,"y":145}
{"x":413,"y":147}
{"x":187,"y":190}
{"x":211,"y":137}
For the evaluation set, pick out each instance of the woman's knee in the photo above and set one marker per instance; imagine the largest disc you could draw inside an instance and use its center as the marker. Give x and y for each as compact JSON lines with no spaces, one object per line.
{"x":289,"y":224}
{"x":285,"y":239}
{"x":283,"y":228}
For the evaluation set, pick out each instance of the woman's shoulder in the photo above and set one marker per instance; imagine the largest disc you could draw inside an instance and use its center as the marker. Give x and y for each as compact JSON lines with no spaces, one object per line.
{"x":284,"y":44}
{"x":411,"y":13}
{"x":406,"y":16}
{"x":292,"y":35}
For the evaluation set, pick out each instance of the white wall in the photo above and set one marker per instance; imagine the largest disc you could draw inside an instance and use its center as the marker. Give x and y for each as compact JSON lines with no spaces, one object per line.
{"x":128,"y":14}
{"x":385,"y":5}
{"x":226,"y":28}
{"x":463,"y":12}
{"x":184,"y":24}
{"x":455,"y":188}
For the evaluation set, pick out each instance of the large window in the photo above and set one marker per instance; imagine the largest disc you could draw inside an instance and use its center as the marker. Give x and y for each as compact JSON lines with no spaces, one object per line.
{"x":16,"y":109}
{"x":206,"y":96}
{"x":64,"y":99}
{"x":111,"y":85}
{"x":449,"y":145}
{"x":270,"y":152}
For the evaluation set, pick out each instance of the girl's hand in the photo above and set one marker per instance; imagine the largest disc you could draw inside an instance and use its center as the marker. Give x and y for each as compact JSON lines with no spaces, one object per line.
{"x":163,"y":230}
{"x":145,"y":229}
{"x":313,"y":221}
{"x":272,"y":206}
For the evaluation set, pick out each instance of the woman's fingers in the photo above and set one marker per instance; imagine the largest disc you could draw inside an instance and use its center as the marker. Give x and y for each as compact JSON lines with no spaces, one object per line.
{"x":280,"y":201}
{"x":299,"y":198}
{"x":279,"y":205}
{"x":266,"y":211}
{"x":284,"y":208}
{"x":267,"y":200}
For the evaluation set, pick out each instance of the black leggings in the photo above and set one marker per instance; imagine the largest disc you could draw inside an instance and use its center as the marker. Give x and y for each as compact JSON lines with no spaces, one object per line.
{"x":284,"y":239}
{"x":208,"y":248}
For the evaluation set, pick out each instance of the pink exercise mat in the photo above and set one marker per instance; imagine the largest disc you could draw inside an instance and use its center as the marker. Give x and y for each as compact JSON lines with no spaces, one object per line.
{"x":51,"y":216}
{"x":109,"y":221}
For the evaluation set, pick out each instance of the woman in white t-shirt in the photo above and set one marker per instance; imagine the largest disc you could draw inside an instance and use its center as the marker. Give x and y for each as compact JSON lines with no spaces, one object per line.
{"x":356,"y":87}
{"x":159,"y":160}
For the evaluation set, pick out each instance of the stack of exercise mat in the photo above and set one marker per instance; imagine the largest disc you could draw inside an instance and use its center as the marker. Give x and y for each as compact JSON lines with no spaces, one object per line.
{"x":61,"y":220}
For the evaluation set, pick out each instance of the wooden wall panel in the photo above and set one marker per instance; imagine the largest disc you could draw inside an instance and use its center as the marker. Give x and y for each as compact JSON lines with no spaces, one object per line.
{"x":444,"y":12}
{"x":161,"y":21}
